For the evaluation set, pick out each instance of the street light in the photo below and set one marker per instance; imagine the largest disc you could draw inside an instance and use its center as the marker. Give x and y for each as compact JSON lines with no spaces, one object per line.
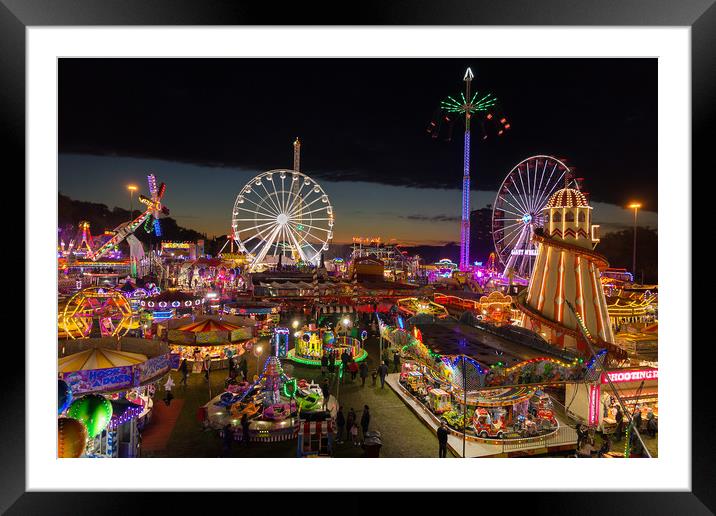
{"x":257,"y":353}
{"x":634,"y":206}
{"x":295,"y":324}
{"x":132,"y":189}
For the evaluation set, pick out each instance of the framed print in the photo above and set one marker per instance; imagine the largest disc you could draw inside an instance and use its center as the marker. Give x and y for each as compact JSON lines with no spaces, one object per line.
{"x":406,"y":235}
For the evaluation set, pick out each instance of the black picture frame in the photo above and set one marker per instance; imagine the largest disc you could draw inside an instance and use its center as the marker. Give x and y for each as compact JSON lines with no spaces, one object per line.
{"x":17,"y":15}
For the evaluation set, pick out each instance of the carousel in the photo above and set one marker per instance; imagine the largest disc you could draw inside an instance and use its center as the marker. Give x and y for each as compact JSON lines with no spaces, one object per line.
{"x":219,"y":338}
{"x":274,"y":405}
{"x":311,"y":343}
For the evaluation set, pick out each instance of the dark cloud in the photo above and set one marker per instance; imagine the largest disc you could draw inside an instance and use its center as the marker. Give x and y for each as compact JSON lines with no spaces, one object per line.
{"x":366,"y":120}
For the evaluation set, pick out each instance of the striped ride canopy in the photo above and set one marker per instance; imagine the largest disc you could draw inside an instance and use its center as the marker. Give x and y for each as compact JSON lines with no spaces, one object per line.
{"x":337,"y":309}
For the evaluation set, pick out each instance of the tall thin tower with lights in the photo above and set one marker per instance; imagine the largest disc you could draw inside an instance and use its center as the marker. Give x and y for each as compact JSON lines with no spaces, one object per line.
{"x":465,"y":223}
{"x":468,"y":105}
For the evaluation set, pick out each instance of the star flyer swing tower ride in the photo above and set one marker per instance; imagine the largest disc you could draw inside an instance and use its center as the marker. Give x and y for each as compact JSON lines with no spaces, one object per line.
{"x":470,"y":105}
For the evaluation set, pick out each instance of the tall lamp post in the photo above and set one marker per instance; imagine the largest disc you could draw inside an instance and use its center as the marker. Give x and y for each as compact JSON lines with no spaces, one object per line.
{"x":634,"y":206}
{"x":132,"y":189}
{"x":258,"y":350}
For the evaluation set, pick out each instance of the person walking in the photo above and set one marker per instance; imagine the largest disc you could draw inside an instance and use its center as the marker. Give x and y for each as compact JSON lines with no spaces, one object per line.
{"x":442,"y":440}
{"x":184,"y":369}
{"x":382,"y":372}
{"x":207,"y":366}
{"x":365,"y":420}
{"x":324,"y":364}
{"x":245,"y":429}
{"x":363,"y":373}
{"x":620,"y":423}
{"x":396,"y":362}
{"x":244,"y":367}
{"x":374,"y":376}
{"x":341,"y":424}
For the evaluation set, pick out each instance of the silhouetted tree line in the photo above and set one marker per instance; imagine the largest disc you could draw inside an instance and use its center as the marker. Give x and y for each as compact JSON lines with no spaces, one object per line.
{"x":101,"y":218}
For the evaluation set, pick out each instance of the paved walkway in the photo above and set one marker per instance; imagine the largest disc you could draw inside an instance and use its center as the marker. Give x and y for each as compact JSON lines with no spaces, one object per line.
{"x":156,"y":435}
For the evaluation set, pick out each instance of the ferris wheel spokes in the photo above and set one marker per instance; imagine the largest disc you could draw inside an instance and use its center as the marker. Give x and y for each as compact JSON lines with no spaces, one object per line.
{"x":282,"y":212}
{"x":518,"y":209}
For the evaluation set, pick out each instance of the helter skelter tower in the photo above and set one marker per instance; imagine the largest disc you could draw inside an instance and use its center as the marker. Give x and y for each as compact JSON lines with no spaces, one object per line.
{"x":567,"y":269}
{"x":471,"y":105}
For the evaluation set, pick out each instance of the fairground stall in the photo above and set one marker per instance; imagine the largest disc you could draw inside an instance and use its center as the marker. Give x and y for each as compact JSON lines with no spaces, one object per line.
{"x":595,"y":403}
{"x":111,"y":385}
{"x":266,"y":315}
{"x":218,"y":337}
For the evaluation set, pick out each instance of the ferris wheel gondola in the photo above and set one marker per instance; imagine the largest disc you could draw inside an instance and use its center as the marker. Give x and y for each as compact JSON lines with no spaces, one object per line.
{"x":518,"y":209}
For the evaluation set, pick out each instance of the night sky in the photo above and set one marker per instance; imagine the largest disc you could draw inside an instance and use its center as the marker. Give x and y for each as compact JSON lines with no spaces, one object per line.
{"x":206,"y":126}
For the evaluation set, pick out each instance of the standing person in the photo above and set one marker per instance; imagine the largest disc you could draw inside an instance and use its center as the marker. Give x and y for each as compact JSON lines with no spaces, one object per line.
{"x":245,"y":429}
{"x":374,"y":376}
{"x":324,"y":364}
{"x":636,"y":416}
{"x":227,"y":438}
{"x":363,"y":373}
{"x":353,"y":368}
{"x":184,"y":368}
{"x":396,"y":362}
{"x":354,"y":434}
{"x":231,"y":366}
{"x":326,"y":391}
{"x":198,"y":362}
{"x":332,"y":364}
{"x":344,"y":361}
{"x":651,"y":424}
{"x":244,"y":367}
{"x":620,"y":423}
{"x":207,"y":366}
{"x":365,"y":420}
{"x":350,"y":422}
{"x":581,"y":434}
{"x":604,"y":449}
{"x":168,"y":388}
{"x":383,"y":372}
{"x":341,"y":424}
{"x":442,"y":440}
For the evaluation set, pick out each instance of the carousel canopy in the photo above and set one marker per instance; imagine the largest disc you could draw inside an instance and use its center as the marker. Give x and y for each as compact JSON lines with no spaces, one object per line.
{"x":98,"y":358}
{"x":208,"y":325}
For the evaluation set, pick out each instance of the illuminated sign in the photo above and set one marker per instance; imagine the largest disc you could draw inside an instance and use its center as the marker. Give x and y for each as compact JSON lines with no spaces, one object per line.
{"x":631,"y":375}
{"x":176,"y":245}
{"x":524,"y":252}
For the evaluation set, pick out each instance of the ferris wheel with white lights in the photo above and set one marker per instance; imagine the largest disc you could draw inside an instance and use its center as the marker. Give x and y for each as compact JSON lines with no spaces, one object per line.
{"x":282,"y":214}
